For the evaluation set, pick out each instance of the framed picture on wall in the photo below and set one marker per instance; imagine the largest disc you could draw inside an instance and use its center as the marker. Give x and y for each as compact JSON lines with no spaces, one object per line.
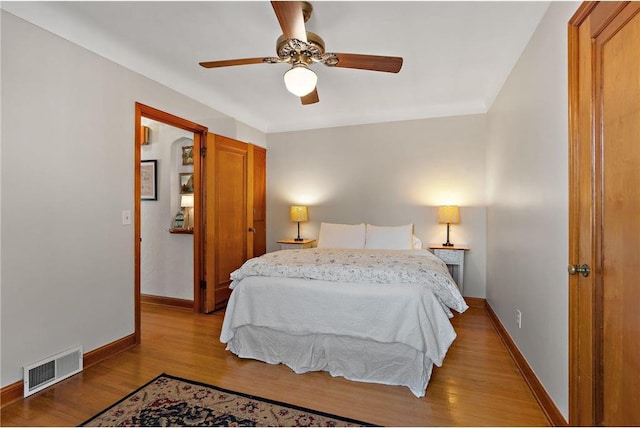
{"x":149,"y":180}
{"x":186,"y":182}
{"x":187,"y":155}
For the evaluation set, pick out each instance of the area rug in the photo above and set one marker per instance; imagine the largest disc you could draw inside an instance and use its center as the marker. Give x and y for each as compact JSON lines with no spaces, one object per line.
{"x":172,"y":401}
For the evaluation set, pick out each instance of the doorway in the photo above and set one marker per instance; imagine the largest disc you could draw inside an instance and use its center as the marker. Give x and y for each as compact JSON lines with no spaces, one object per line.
{"x":199,"y":137}
{"x":166,"y":214}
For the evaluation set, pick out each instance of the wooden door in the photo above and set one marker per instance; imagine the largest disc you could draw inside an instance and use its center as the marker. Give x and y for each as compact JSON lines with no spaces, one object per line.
{"x":604,"y":44}
{"x":226,"y":207}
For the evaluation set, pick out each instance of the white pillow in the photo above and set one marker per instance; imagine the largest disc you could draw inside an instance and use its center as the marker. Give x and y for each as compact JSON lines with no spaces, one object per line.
{"x":334,"y":235}
{"x":417,"y":243}
{"x":389,"y":237}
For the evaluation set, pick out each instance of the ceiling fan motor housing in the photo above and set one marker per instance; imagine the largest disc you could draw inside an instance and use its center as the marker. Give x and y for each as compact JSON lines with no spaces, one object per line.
{"x":296,"y":51}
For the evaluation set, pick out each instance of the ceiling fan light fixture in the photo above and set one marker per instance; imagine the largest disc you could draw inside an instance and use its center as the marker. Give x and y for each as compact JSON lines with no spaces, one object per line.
{"x":300,"y":80}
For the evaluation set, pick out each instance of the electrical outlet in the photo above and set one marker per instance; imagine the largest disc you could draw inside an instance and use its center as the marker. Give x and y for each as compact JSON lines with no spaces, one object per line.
{"x":519,"y":318}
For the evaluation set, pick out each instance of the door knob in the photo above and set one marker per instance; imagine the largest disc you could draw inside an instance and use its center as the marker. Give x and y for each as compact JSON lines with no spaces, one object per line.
{"x":583,"y":269}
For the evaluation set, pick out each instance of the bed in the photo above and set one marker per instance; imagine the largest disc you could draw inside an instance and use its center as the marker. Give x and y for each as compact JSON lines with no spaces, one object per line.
{"x":367,"y":309}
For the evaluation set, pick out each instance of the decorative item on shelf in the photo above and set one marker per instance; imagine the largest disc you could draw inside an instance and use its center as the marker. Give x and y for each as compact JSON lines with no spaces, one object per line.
{"x":178,"y":221}
{"x":145,"y":131}
{"x":449,"y":214}
{"x":186,"y":182}
{"x":187,"y":155}
{"x":148,"y":180}
{"x":299,"y":213}
{"x":186,"y":202}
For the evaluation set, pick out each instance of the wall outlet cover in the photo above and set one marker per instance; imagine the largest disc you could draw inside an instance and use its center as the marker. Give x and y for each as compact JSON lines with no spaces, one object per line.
{"x":126,"y":217}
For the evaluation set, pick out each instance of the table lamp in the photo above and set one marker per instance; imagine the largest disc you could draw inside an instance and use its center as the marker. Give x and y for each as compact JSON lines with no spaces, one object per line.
{"x":299,"y":213}
{"x":449,"y":214}
{"x":186,"y":201}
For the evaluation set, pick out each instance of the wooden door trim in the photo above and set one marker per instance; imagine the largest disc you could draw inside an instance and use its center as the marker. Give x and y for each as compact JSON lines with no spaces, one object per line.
{"x":573,"y":66}
{"x":582,"y":215}
{"x":199,"y":138}
{"x":582,"y":212}
{"x":249,"y":199}
{"x":259,"y":193}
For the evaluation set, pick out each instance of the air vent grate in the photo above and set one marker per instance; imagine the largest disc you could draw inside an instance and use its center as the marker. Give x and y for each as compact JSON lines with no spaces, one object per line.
{"x":39,"y":375}
{"x":42,"y":374}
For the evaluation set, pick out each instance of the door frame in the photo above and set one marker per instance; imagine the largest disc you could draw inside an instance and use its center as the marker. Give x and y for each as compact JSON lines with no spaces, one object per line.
{"x":199,"y":137}
{"x":581,"y":334}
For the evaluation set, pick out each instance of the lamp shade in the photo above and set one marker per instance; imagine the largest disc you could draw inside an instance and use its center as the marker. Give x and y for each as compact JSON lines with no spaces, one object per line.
{"x":299,"y":213}
{"x":300,"y":80}
{"x":449,"y":214}
{"x":186,"y":201}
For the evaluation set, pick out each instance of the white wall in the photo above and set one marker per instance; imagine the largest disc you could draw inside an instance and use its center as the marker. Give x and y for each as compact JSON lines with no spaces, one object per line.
{"x":250,"y":135}
{"x":385,"y":174}
{"x":527,"y":192}
{"x":67,"y":173}
{"x":0,"y":184}
{"x":166,"y":259}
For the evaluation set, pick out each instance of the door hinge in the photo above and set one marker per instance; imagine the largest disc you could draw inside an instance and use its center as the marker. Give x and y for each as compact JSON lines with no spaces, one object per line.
{"x":203,"y":151}
{"x":203,"y":284}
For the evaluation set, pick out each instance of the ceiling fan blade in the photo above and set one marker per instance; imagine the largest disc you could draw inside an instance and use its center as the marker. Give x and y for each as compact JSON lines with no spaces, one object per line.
{"x":310,"y":98}
{"x":289,"y":14}
{"x":230,"y":62}
{"x":389,"y":64}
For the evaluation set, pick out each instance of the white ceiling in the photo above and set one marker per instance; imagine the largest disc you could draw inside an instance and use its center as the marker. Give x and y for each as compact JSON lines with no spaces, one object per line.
{"x":456,"y":55}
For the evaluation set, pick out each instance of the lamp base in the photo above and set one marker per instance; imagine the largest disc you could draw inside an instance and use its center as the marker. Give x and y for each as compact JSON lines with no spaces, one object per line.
{"x":298,"y":239}
{"x":447,"y":244}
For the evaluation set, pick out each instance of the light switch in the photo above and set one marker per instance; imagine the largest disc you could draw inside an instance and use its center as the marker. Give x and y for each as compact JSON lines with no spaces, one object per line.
{"x":126,"y":217}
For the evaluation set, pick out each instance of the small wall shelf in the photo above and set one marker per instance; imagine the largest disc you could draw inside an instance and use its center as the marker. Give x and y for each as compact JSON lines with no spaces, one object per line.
{"x":182,"y":231}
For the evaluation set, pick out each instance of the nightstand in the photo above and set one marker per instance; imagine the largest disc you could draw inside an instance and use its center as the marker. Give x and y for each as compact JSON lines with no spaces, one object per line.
{"x":454,"y":258}
{"x":292,"y":244}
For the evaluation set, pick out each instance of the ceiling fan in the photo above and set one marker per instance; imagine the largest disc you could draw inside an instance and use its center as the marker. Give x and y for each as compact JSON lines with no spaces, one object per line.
{"x":301,"y":48}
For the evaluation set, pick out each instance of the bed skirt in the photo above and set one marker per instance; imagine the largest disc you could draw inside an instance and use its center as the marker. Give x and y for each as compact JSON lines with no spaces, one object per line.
{"x":352,"y":358}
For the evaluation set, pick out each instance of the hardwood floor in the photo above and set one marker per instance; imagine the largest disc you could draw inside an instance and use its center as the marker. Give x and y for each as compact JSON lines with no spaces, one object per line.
{"x":477,"y":385}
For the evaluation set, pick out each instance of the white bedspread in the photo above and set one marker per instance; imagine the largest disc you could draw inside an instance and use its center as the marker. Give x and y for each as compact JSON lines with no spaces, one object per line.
{"x":385,"y":313}
{"x":415,"y":267}
{"x":397,"y":324}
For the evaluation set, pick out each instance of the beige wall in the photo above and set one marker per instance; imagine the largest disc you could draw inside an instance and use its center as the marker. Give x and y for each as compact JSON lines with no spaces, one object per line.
{"x":384,"y":174}
{"x":527,"y":227}
{"x":67,"y":174}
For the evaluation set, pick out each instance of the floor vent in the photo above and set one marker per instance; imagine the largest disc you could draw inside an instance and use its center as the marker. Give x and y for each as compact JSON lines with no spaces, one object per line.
{"x":38,"y":376}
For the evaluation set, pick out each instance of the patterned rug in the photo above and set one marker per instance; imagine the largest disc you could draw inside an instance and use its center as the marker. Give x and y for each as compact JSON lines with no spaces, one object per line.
{"x":171,"y":401}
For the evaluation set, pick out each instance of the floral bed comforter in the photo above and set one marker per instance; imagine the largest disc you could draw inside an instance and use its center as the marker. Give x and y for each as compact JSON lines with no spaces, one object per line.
{"x":415,"y":267}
